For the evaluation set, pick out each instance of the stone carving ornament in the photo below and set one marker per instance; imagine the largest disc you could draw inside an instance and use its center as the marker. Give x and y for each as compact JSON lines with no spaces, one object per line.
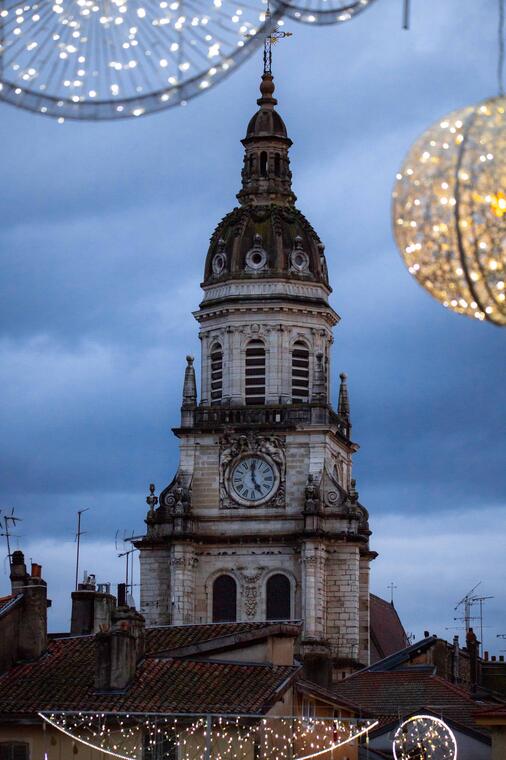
{"x":233,"y":448}
{"x":250,"y":592}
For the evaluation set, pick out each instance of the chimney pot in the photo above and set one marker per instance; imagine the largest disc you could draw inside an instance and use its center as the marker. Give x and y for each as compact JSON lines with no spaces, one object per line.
{"x":493,"y":658}
{"x":501,"y":658}
{"x":426,"y":634}
{"x":121,"y":594}
{"x":485,"y":656}
{"x":36,"y":570}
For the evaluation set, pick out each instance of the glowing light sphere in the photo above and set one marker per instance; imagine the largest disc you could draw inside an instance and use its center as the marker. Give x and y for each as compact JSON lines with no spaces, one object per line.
{"x":449,"y":211}
{"x":322,"y":11}
{"x":107,"y":59}
{"x":424,"y":737}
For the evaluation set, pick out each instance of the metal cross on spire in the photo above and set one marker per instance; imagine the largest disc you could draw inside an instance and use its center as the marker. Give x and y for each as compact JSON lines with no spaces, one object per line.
{"x":274,"y":34}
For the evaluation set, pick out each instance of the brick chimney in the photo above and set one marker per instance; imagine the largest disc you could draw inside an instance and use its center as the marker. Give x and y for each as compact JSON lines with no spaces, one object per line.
{"x":119,"y":650}
{"x":472,"y":645}
{"x":23,"y":626}
{"x":91,"y":608}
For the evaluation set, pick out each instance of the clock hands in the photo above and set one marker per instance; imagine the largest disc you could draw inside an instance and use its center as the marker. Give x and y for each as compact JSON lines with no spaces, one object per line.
{"x":255,"y":484}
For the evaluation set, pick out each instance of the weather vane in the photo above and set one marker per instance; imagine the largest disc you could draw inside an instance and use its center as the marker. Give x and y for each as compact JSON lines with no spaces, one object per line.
{"x":274,"y":35}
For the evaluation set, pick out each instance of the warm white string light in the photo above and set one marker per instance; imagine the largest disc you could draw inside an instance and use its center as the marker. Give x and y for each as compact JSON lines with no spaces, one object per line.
{"x":323,"y":11}
{"x":431,"y":736}
{"x":449,"y":206}
{"x":96,"y":59}
{"x":126,"y":736}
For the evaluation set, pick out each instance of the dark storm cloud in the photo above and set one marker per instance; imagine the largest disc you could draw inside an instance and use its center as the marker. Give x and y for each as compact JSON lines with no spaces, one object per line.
{"x":103,"y":238}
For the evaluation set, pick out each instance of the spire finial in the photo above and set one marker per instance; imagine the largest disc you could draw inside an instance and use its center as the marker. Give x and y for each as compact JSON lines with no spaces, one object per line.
{"x":273,"y":35}
{"x":189,"y":394}
{"x":343,"y":406}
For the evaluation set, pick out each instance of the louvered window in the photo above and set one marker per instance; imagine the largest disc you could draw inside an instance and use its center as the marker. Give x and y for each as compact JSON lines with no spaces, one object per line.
{"x":216,"y":374}
{"x":14,"y":751}
{"x":224,"y":599}
{"x":300,"y":372}
{"x":255,"y":372}
{"x":278,"y":595}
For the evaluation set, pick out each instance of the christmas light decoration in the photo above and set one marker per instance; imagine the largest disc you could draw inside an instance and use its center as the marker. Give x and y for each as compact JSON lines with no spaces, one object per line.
{"x":128,"y":736}
{"x":106,"y":59}
{"x":448,"y":211}
{"x":323,"y":11}
{"x":424,"y":736}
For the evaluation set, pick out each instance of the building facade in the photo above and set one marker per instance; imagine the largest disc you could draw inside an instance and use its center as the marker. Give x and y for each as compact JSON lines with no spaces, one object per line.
{"x":262,"y":519}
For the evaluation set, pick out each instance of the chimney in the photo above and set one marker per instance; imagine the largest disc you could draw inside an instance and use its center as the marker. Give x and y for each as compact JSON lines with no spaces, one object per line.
{"x":91,"y":609}
{"x":456,"y":660}
{"x":31,"y":631}
{"x":118,"y":650}
{"x":426,"y":634}
{"x":472,"y":644}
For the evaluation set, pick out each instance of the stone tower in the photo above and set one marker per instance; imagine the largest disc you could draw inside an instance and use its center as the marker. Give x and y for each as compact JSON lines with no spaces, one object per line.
{"x":262,"y":519}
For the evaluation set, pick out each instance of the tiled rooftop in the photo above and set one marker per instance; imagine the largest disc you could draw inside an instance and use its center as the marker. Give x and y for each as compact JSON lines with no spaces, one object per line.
{"x":63,"y":679}
{"x":390,"y":694}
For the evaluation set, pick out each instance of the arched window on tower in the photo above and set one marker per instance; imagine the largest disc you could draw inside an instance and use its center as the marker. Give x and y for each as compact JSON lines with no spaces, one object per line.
{"x":216,"y":374}
{"x":224,"y":599}
{"x":255,"y":372}
{"x":278,"y":598}
{"x":277,"y":164}
{"x":300,"y":371}
{"x":264,"y":167}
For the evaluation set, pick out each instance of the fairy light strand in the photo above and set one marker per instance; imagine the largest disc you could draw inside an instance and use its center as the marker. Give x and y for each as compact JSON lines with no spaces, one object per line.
{"x":126,"y":736}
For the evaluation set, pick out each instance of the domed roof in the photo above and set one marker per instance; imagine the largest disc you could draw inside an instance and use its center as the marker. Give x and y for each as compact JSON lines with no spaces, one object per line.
{"x":268,"y":241}
{"x":266,"y":122}
{"x":266,"y":237}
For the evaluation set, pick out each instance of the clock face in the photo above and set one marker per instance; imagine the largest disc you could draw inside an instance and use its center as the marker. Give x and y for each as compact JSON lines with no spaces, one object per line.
{"x":253,"y":480}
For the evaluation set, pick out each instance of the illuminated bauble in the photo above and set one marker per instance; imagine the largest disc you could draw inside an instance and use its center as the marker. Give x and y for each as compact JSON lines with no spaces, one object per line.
{"x":106,"y":59}
{"x":449,"y":211}
{"x":424,"y":737}
{"x":322,"y":11}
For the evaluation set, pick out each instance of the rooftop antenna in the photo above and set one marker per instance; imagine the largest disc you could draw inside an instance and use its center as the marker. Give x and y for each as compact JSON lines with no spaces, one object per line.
{"x":467,"y":602}
{"x":392,"y":588}
{"x":129,"y":561}
{"x":7,"y":533}
{"x":274,"y":35}
{"x":79,"y":533}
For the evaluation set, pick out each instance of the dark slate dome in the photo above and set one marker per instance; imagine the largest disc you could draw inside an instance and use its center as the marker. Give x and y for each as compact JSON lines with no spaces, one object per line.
{"x":265,"y":242}
{"x":266,"y":237}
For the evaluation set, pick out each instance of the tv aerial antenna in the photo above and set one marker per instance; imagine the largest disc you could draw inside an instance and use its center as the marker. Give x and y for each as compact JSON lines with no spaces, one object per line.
{"x":128,"y":554}
{"x":77,"y":539}
{"x":467,"y":603}
{"x":9,"y":520}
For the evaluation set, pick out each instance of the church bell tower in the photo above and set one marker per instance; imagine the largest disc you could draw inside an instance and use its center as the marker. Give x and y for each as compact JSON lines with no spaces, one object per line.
{"x":262,"y":519}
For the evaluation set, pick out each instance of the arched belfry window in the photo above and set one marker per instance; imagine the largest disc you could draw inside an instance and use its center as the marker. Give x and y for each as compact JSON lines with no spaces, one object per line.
{"x":224,"y":599}
{"x":278,"y":595}
{"x":300,"y":371}
{"x":263,"y":164}
{"x":255,"y":372}
{"x":277,"y":164}
{"x":216,"y":373}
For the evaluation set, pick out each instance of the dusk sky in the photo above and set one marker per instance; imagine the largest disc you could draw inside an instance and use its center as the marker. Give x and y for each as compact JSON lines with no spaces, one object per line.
{"x":104,"y":233}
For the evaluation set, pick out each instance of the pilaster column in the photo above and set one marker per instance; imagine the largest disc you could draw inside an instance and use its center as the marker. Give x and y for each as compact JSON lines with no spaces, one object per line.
{"x":204,"y":371}
{"x":182,"y":564}
{"x":313,"y":589}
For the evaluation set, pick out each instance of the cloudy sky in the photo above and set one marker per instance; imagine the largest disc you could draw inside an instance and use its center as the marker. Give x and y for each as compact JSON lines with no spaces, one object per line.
{"x":103,"y":238}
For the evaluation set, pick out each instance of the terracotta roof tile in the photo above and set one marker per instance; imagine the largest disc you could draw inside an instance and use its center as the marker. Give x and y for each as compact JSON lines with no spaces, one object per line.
{"x":387,"y":632}
{"x":390,"y":694}
{"x":171,"y":637}
{"x":63,"y":679}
